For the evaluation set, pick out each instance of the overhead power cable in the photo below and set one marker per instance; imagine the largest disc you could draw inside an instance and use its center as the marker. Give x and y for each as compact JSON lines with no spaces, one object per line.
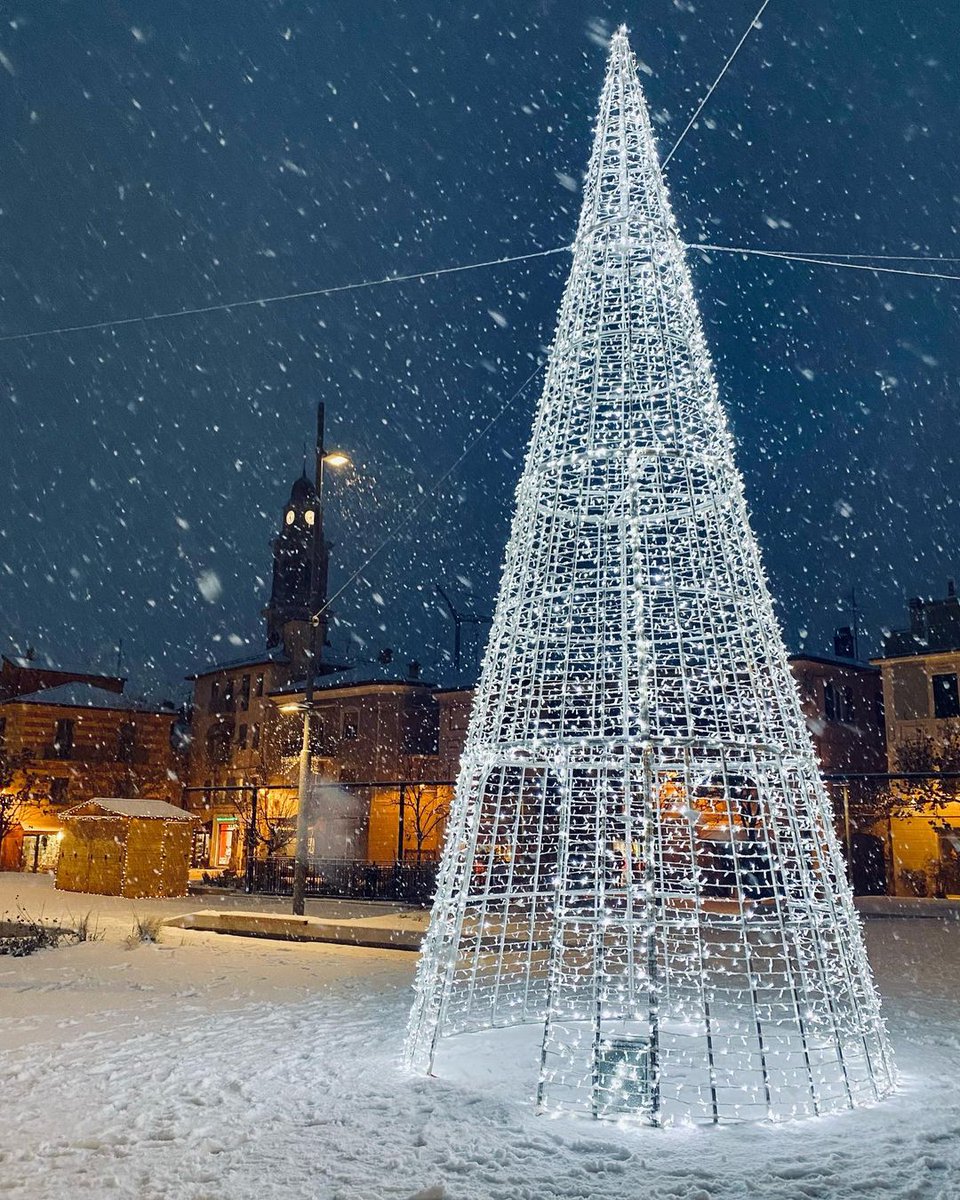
{"x":811,"y":260}
{"x":713,"y":87}
{"x":811,"y":257}
{"x":229,"y":305}
{"x":428,"y":494}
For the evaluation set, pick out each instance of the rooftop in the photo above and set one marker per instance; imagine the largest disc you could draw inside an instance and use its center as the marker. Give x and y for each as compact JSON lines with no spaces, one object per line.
{"x":84,"y":695}
{"x":261,"y":658}
{"x":833,"y":660}
{"x":155,"y":810}
{"x":359,"y":675}
{"x":21,"y":662}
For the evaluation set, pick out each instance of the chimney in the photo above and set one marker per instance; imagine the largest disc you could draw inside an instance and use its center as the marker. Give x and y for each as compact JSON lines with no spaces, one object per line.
{"x":951,"y":589}
{"x":413,"y":669}
{"x":843,"y":642}
{"x":385,"y":657}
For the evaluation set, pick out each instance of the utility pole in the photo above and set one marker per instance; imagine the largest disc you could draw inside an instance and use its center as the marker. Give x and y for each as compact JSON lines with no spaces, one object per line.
{"x":316,"y":606}
{"x":250,"y":849}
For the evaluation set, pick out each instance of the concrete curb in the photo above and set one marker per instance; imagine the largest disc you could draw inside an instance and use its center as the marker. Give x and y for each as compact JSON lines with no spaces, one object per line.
{"x":299,"y":929}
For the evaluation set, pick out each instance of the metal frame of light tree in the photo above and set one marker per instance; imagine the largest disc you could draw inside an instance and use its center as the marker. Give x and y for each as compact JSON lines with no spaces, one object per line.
{"x":640,"y":861}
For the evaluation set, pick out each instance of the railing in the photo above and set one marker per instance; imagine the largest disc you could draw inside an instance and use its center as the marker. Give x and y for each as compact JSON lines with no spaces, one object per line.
{"x":411,"y":883}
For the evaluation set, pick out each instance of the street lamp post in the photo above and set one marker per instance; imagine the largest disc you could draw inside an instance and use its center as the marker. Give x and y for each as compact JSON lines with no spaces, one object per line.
{"x":334,"y":458}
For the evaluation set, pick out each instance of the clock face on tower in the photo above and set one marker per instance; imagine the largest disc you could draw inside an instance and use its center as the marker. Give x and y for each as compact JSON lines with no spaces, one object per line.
{"x":308,"y":516}
{"x":289,"y":518}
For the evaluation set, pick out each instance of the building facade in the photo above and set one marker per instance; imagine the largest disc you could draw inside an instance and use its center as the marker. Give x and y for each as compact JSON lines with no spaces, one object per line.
{"x":842,"y":700}
{"x":920,"y":804}
{"x":380,"y":791}
{"x":64,"y":745}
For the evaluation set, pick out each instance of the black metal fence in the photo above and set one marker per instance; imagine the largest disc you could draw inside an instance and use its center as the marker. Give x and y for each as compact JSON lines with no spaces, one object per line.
{"x":411,"y":883}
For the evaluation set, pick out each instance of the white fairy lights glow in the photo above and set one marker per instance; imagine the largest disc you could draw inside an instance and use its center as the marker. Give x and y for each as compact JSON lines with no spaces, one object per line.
{"x":640,"y":863}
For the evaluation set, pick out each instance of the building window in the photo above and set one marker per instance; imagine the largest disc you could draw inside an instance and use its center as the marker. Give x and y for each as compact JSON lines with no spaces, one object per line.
{"x":58,"y":790}
{"x":260,"y":685}
{"x":245,"y":693}
{"x":218,"y":744}
{"x":63,"y":739}
{"x":946,"y":699}
{"x":3,"y":732}
{"x":837,"y":703}
{"x":317,"y":741}
{"x":242,"y":737}
{"x":126,"y":742}
{"x":350,"y":725}
{"x":214,"y":696}
{"x":254,"y":737}
{"x":228,"y":703}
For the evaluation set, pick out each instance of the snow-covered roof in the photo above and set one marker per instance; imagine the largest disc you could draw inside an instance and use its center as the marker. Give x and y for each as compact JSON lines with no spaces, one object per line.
{"x":357,"y":676}
{"x":51,"y":668}
{"x":156,"y":810}
{"x":260,"y":658}
{"x":81,"y":695}
{"x":834,"y":660}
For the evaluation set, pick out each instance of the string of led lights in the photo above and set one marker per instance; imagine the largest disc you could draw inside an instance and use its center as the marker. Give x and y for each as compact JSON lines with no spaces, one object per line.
{"x":641,"y":897}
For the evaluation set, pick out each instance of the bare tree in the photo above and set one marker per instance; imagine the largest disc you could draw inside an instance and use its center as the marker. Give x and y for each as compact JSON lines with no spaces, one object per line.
{"x":425,"y":811}
{"x":936,"y":758}
{"x":271,"y":826}
{"x":16,"y":787}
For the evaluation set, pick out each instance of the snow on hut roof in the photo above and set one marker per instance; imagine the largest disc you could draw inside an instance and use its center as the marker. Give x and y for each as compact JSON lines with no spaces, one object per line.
{"x":149,"y":809}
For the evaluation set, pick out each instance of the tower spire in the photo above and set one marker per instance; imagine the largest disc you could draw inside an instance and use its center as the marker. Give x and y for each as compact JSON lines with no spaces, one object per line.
{"x":640,"y":865}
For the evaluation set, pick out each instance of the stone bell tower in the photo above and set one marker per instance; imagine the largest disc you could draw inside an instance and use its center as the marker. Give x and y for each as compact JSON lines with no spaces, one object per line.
{"x":299,"y":589}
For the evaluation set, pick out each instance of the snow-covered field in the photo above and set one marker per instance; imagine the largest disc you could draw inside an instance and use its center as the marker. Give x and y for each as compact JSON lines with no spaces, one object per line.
{"x":221,"y":1068}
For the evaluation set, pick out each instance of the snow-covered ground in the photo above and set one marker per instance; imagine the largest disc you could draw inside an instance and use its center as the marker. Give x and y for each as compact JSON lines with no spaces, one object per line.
{"x":221,"y":1068}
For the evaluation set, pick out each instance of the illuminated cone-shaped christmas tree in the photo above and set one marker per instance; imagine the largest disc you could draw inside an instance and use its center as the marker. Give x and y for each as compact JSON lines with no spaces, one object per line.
{"x":640,"y":867}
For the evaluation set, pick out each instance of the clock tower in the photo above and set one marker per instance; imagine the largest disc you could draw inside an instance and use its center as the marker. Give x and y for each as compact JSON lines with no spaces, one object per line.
{"x":301,"y":559}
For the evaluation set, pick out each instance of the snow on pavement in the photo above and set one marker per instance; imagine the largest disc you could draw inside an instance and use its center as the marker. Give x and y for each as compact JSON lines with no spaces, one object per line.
{"x":221,"y":1068}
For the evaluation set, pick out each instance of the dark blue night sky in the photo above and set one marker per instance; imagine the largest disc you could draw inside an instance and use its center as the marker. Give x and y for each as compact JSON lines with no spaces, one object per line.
{"x":159,"y":156}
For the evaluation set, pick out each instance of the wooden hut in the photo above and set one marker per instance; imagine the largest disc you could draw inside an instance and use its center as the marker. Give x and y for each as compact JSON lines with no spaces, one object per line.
{"x":134,"y":848}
